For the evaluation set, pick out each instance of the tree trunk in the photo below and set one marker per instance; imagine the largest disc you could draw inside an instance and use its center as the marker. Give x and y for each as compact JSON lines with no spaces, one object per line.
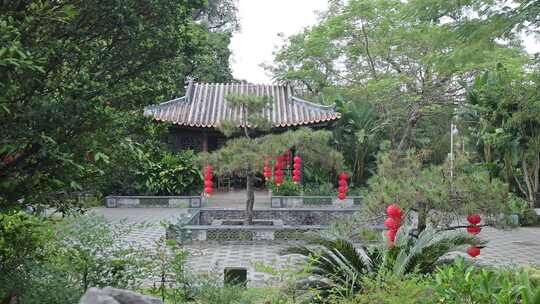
{"x":250,"y":202}
{"x":422,"y":218}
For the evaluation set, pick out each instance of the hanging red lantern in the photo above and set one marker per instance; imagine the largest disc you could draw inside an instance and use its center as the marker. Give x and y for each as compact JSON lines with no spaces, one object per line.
{"x":278,"y":165}
{"x":474,"y":230}
{"x":343,"y":189}
{"x":393,"y":211}
{"x":391,"y":223}
{"x":278,"y":173}
{"x":474,"y":219}
{"x":297,"y":166}
{"x":208,"y":184}
{"x":278,"y":180}
{"x":473,"y":251}
{"x":343,"y":186}
{"x":391,"y":235}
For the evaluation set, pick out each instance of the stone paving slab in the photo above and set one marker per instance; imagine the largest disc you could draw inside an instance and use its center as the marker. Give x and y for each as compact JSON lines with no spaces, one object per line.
{"x":513,"y":247}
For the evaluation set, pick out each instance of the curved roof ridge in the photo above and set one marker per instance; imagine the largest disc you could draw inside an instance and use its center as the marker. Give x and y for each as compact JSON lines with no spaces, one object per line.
{"x":148,"y":110}
{"x":333,"y":106}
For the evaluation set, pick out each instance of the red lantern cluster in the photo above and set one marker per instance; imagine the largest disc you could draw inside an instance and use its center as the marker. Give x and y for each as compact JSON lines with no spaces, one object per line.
{"x":297,"y":166}
{"x":267,"y":170}
{"x":278,"y":170}
{"x":343,"y":186}
{"x":474,"y":229}
{"x":392,"y":222}
{"x":208,"y":176}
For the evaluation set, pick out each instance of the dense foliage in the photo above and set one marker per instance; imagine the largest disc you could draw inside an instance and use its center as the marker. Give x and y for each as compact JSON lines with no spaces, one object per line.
{"x":401,"y":70}
{"x":432,"y":192}
{"x":75,"y":77}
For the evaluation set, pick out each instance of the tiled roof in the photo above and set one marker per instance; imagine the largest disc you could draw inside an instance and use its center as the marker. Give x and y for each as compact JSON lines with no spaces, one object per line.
{"x":205,"y":106}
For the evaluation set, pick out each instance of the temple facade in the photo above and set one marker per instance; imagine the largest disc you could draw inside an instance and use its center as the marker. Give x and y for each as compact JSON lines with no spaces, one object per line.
{"x":196,"y":116}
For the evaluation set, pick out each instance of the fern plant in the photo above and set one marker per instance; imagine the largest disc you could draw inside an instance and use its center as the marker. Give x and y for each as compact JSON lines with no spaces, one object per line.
{"x":421,"y":253}
{"x":336,"y":265}
{"x":339,"y":267}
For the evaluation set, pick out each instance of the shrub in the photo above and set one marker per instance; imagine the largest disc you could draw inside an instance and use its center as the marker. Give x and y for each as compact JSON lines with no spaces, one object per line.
{"x":322,"y":189}
{"x":287,"y":188}
{"x":174,"y":174}
{"x":461,"y":283}
{"x":23,"y":241}
{"x":519,"y":206}
{"x":96,"y":253}
{"x":390,"y":289}
{"x":339,"y":267}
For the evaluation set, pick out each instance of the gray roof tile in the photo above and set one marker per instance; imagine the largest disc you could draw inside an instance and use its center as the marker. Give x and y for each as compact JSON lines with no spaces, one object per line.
{"x":205,"y":106}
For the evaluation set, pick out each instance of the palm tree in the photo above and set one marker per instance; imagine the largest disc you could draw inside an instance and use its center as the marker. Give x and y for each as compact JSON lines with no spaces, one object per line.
{"x":338,"y":266}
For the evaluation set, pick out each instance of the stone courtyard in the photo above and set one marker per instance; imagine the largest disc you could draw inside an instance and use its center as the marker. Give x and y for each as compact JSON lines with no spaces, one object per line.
{"x":514,"y":247}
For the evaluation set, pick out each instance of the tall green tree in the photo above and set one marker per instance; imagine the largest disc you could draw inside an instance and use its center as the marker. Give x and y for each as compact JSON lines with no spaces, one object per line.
{"x":505,"y":107}
{"x":74,"y":77}
{"x":401,"y":58}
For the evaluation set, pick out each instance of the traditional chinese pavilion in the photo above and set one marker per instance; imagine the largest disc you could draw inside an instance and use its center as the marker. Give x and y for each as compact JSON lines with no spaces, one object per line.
{"x":196,"y":116}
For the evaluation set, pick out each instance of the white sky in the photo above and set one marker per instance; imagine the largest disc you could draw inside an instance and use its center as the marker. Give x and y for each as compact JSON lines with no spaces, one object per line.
{"x":260,"y":23}
{"x":262,"y":20}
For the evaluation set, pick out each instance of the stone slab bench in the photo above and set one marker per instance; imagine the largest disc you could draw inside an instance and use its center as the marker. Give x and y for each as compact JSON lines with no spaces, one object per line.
{"x":153,"y":201}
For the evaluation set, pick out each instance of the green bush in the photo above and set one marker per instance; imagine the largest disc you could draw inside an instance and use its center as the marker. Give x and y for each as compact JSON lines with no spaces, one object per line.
{"x":392,"y":290}
{"x":519,"y":206}
{"x":322,"y":189}
{"x":174,"y":174}
{"x":461,"y":283}
{"x":96,"y":253}
{"x":287,"y":188}
{"x":23,"y":241}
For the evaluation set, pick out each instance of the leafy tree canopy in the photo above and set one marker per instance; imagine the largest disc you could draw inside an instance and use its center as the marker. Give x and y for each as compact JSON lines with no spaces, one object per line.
{"x":74,"y":77}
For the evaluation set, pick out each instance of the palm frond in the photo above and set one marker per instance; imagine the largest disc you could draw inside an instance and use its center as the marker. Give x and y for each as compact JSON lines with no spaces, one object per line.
{"x":423,"y":252}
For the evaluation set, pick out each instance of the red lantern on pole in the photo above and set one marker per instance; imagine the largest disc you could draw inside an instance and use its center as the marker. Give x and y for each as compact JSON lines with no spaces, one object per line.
{"x":208,"y":184}
{"x":393,"y":211}
{"x":391,"y":235}
{"x":392,"y":222}
{"x":473,"y":229}
{"x":473,"y":251}
{"x":474,"y":219}
{"x":343,"y":186}
{"x":297,"y":166}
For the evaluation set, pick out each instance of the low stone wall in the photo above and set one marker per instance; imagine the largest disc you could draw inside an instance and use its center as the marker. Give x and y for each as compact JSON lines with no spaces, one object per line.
{"x":314,"y":201}
{"x":293,"y":223}
{"x":153,"y":201}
